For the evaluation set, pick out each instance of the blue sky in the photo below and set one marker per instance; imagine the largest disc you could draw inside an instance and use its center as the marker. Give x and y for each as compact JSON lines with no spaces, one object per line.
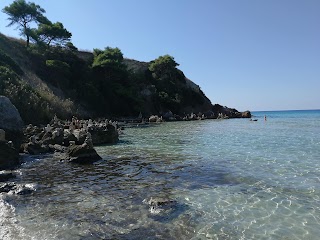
{"x":246,"y":54}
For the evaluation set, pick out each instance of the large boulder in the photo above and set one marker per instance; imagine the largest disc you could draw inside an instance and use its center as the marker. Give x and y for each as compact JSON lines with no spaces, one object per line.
{"x":155,"y":118}
{"x":82,"y":154}
{"x":10,"y":121}
{"x":9,"y":156}
{"x":10,"y":117}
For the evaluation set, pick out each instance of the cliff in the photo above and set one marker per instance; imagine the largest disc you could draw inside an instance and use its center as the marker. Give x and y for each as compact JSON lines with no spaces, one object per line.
{"x":42,"y":82}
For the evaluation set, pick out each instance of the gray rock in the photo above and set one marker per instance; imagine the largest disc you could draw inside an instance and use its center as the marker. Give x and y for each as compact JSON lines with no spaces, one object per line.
{"x":58,"y":136}
{"x":14,"y":188}
{"x":68,"y":137}
{"x":82,"y":154}
{"x":246,"y":114}
{"x":35,"y":148}
{"x":154,"y":118}
{"x":57,"y":148}
{"x":80,"y":135}
{"x":10,"y":118}
{"x":10,"y":121}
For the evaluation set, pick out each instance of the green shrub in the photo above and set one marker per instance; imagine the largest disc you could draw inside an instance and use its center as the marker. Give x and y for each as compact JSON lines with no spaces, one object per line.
{"x":31,"y":106}
{"x":7,"y":61}
{"x":57,"y":65}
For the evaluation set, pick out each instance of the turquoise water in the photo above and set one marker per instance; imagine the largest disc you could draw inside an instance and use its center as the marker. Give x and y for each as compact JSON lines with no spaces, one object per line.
{"x":228,"y":179}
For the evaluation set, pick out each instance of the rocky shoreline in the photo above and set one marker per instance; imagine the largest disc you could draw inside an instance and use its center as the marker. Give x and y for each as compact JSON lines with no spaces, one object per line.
{"x":74,"y":140}
{"x":70,"y":141}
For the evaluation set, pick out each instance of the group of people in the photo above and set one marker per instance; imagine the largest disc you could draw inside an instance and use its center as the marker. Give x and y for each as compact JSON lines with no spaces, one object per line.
{"x":265,"y":119}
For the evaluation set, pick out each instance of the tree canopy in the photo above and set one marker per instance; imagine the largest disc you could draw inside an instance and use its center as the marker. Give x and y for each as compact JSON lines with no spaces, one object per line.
{"x":22,"y":13}
{"x":163,"y":66}
{"x":110,"y":63}
{"x":52,"y":33}
{"x":107,"y":58}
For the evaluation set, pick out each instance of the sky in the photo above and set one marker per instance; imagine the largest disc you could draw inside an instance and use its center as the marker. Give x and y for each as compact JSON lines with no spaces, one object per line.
{"x":245,"y":54}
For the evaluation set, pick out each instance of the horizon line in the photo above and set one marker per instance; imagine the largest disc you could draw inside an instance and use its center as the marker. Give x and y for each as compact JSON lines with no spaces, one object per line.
{"x":318,"y":109}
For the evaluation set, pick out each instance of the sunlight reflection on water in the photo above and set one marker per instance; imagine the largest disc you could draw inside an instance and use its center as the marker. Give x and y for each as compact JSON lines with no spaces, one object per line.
{"x":230,"y":179}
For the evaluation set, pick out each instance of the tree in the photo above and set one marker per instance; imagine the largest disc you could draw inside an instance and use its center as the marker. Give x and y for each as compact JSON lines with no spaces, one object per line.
{"x":52,"y":33}
{"x":110,"y":62}
{"x":58,"y":72}
{"x":163,"y":66}
{"x":22,"y":13}
{"x":107,"y":58}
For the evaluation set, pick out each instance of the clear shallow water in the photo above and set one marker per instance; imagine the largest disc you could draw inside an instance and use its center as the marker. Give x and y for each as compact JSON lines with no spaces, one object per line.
{"x":230,"y":179}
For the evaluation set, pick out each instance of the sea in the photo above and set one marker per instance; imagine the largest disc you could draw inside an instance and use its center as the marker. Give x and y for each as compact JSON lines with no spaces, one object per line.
{"x":209,"y":179}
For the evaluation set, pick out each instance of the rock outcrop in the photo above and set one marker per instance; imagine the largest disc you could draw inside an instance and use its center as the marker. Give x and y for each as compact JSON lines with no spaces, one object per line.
{"x":10,"y":118}
{"x":58,"y":135}
{"x":246,"y":114}
{"x":82,"y":154}
{"x":10,"y":121}
{"x":155,"y":118}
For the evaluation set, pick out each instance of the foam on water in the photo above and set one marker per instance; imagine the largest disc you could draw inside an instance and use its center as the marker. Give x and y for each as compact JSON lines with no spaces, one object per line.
{"x":229,"y":179}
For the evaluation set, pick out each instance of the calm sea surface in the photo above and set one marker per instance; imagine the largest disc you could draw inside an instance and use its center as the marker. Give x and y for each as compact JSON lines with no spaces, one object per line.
{"x":227,"y":179}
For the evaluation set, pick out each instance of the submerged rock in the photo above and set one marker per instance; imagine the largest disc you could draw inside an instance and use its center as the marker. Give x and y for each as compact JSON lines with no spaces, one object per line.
{"x":14,"y":188}
{"x":164,"y":209}
{"x":160,"y":204}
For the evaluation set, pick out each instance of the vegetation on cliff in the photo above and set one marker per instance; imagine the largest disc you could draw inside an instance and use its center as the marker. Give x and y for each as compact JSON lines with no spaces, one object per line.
{"x":46,"y":75}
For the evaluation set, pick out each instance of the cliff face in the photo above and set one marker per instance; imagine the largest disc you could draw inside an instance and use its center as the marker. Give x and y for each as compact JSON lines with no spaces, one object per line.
{"x":187,"y":94}
{"x":44,"y":82}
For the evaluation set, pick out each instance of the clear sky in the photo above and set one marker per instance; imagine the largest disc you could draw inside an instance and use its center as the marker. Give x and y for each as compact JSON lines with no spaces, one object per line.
{"x":246,"y":54}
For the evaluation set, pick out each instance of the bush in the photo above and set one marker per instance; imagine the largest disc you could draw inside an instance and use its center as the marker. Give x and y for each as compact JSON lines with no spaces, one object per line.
{"x":7,"y":61}
{"x":59,"y":66}
{"x":31,"y":106}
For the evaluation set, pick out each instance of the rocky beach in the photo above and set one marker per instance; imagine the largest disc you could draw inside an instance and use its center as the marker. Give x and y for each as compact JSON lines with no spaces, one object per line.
{"x":71,"y":140}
